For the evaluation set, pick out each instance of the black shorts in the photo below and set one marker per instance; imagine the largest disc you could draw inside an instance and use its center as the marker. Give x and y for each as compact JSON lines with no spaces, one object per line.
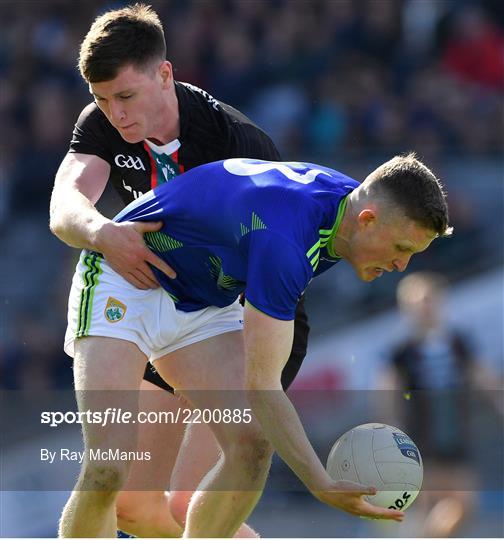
{"x":298,"y":353}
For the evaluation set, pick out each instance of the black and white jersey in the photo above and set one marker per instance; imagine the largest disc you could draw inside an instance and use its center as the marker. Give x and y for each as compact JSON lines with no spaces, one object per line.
{"x":209,"y":131}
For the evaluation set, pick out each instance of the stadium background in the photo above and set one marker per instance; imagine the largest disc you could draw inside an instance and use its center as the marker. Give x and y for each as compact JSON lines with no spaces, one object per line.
{"x":344,"y":83}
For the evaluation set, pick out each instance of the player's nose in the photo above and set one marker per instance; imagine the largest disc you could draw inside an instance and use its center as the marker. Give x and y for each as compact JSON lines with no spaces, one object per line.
{"x":400,"y":265}
{"x":117,"y":114}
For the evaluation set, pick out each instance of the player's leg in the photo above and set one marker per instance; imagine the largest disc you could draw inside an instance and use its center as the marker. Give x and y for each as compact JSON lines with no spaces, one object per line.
{"x":213,"y":370}
{"x":107,"y":374}
{"x":143,"y":506}
{"x":146,"y":512}
{"x":191,"y":467}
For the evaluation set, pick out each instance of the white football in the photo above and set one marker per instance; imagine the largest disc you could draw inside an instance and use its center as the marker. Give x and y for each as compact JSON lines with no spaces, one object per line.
{"x":381,"y":456}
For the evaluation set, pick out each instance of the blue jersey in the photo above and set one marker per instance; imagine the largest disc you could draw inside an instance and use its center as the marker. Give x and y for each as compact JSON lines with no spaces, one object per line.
{"x":242,"y":225}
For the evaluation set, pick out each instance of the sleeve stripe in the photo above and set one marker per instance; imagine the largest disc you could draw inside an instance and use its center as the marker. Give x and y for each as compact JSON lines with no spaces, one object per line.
{"x":310,"y":252}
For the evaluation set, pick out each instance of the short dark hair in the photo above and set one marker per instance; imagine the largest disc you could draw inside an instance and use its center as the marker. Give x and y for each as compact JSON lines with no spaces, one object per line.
{"x":412,"y":186}
{"x":129,"y":36}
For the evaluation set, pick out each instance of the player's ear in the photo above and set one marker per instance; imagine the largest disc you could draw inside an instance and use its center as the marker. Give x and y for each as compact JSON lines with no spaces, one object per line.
{"x":166,"y":72}
{"x":366,"y":217}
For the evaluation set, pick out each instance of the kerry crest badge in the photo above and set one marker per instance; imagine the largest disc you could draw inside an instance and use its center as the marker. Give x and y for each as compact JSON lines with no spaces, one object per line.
{"x":114,"y":310}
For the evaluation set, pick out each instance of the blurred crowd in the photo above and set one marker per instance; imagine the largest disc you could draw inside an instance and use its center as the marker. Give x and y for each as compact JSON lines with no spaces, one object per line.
{"x":332,"y":81}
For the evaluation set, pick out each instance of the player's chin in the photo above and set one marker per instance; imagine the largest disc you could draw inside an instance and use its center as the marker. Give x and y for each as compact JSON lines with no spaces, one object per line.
{"x":368,"y":274}
{"x":132,"y":139}
{"x":132,"y":135}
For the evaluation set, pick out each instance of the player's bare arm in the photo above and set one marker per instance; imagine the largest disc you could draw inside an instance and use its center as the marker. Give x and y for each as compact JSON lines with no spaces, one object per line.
{"x":79,"y":183}
{"x":267,"y":347}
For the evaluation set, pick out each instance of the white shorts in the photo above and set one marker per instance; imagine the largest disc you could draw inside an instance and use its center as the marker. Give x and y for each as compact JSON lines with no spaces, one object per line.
{"x":102,"y":303}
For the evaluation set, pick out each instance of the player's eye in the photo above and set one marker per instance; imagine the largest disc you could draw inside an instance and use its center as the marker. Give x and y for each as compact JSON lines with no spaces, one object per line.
{"x":126,"y":96}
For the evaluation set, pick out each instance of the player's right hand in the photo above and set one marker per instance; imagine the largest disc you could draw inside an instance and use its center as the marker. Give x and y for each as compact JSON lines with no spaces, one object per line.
{"x":123,"y":246}
{"x":349,"y":496}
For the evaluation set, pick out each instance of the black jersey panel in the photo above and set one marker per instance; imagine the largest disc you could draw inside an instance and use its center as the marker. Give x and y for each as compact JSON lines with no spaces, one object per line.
{"x":209,"y":131}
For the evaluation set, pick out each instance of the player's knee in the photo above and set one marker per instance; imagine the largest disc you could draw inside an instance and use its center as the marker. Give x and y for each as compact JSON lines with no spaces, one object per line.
{"x":104,"y":478}
{"x":252,"y":454}
{"x":259,"y":458}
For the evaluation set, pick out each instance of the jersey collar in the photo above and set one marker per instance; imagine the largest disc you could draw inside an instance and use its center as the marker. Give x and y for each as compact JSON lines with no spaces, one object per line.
{"x":183,"y":108}
{"x":335,"y":227}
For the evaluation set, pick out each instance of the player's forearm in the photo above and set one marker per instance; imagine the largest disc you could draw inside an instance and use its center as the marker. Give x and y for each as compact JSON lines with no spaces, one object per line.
{"x":268,"y":342}
{"x":282,"y":426}
{"x":75,"y":220}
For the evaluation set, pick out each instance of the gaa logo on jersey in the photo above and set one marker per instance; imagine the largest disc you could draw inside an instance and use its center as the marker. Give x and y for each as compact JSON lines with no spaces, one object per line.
{"x":114,"y":310}
{"x":130,"y":162}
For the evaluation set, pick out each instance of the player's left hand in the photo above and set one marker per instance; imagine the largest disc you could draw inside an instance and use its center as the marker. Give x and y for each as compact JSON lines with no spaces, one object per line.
{"x":349,"y":496}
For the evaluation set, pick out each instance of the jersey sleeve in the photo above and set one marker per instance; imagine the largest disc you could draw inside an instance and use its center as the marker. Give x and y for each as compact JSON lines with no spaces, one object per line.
{"x":277,"y":275}
{"x":90,"y":134}
{"x":248,"y":140}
